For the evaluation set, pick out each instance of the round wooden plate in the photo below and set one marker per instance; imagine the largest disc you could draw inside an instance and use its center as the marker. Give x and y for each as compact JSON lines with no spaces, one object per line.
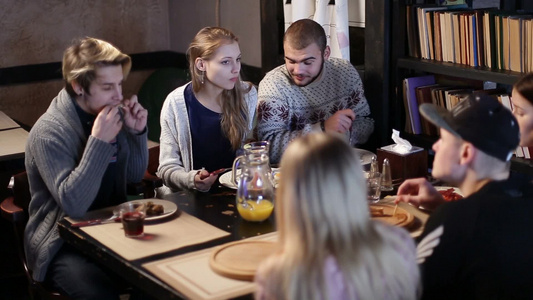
{"x":383,"y":212}
{"x":239,"y":260}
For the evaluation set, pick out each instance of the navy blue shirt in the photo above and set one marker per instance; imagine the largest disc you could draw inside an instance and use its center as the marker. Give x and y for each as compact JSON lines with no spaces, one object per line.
{"x":210,"y":147}
{"x":107,"y":194}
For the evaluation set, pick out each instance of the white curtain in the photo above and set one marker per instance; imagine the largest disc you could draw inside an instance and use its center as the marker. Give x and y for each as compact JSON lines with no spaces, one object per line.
{"x":331,"y":14}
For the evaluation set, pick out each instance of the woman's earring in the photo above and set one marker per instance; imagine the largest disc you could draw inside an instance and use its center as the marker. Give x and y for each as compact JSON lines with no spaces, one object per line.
{"x":202,"y":77}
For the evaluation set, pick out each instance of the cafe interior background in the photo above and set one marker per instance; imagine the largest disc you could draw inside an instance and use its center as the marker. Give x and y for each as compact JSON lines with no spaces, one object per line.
{"x":155,"y":32}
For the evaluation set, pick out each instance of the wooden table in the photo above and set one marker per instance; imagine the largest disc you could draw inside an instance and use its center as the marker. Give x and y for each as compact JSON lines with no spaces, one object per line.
{"x":208,"y":207}
{"x":13,"y":138}
{"x":204,"y":206}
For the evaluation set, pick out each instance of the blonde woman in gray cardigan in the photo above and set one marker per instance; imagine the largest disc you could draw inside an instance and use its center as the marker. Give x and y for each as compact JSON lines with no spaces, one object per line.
{"x":206,"y":121}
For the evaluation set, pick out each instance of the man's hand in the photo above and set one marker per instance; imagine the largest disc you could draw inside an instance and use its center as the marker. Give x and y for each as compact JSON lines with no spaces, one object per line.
{"x":107,"y":124}
{"x":135,"y":116}
{"x":341,"y":121}
{"x":419,"y":192}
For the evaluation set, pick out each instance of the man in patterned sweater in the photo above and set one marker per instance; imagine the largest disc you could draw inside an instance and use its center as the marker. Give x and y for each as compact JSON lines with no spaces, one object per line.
{"x":311,"y":92}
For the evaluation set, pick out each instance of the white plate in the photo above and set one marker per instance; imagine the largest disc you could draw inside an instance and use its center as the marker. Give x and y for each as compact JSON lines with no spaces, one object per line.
{"x":225,"y":179}
{"x":169,"y":208}
{"x":365,"y":157}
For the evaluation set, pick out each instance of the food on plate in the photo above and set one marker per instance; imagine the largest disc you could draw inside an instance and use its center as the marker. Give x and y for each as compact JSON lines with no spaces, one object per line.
{"x":388,"y":215}
{"x":152,"y":209}
{"x":376,"y":211}
{"x":276,"y":175}
{"x":450,"y":194}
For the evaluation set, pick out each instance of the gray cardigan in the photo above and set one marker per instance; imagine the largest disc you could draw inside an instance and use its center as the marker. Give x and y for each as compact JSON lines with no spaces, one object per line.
{"x":65,"y":168}
{"x":175,"y":156}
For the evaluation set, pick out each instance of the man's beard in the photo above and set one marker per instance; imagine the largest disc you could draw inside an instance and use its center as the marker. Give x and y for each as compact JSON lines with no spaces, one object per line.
{"x":314,"y":78}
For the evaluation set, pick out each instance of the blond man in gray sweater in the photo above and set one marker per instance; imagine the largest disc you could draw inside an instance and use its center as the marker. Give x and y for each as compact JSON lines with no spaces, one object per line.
{"x":79,"y":156}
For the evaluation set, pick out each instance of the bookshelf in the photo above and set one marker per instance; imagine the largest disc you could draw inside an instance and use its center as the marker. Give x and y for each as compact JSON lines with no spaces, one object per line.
{"x":450,"y":69}
{"x":401,"y":66}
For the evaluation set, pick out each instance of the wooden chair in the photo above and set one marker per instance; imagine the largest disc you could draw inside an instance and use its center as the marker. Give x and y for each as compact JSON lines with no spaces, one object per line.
{"x":150,"y":181}
{"x":15,"y":209}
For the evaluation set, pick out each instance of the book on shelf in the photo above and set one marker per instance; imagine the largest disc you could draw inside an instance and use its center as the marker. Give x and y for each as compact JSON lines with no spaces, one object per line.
{"x":437,"y":36}
{"x":479,"y":37}
{"x":518,"y":43}
{"x":437,"y":95}
{"x":463,"y":35}
{"x":408,"y":128}
{"x":451,"y":2}
{"x":446,"y":40}
{"x":483,"y":37}
{"x":421,"y":28}
{"x":489,"y":36}
{"x":425,"y":30}
{"x":456,"y":37}
{"x":504,"y":27}
{"x":529,"y":44}
{"x":488,"y":39}
{"x":526,"y":42}
{"x":413,"y":25}
{"x":411,"y":84}
{"x":473,"y":40}
{"x":424,"y":95}
{"x":515,"y":46}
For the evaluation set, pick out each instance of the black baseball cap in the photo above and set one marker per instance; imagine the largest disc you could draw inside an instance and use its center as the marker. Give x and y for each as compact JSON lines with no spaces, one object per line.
{"x":480,"y":120}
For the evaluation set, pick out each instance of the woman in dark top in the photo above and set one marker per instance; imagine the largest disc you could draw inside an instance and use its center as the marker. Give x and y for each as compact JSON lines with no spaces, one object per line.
{"x":205,"y":122}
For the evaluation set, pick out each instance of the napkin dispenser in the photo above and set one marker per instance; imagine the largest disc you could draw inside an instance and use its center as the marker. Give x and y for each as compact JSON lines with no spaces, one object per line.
{"x":405,"y":164}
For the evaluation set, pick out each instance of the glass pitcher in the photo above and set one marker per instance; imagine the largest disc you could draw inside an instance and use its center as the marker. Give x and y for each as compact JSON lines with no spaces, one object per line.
{"x":255,"y":190}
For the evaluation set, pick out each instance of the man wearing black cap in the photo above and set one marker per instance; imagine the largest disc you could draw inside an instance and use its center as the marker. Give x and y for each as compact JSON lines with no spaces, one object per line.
{"x":478,"y":247}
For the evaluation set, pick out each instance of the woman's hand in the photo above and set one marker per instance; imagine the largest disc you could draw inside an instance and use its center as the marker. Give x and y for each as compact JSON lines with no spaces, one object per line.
{"x":419,"y":192}
{"x":203,"y":180}
{"x":135,"y":116}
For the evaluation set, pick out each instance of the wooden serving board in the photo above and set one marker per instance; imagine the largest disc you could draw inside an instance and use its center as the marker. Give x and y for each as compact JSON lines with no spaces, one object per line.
{"x":384,"y":213}
{"x":239,"y":260}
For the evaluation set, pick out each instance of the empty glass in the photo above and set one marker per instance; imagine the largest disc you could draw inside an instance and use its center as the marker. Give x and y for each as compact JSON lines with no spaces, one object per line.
{"x":373,"y":185}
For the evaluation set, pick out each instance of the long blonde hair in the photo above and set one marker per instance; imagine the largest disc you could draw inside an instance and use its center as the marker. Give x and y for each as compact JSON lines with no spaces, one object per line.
{"x":322,"y":212}
{"x":234,"y":110}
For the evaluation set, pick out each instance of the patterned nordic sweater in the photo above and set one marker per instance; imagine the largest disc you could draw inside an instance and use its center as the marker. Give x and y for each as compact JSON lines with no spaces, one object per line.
{"x":287,"y":111}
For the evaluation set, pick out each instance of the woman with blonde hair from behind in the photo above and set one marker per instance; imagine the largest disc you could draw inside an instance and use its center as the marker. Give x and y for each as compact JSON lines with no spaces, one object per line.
{"x":329,"y":248}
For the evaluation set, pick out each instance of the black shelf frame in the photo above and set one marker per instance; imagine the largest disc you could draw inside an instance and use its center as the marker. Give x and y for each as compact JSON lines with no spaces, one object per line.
{"x":458,"y":70}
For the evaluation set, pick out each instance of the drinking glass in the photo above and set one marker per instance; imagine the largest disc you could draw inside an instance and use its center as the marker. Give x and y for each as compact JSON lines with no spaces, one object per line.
{"x":132,"y":215}
{"x":373,"y":184}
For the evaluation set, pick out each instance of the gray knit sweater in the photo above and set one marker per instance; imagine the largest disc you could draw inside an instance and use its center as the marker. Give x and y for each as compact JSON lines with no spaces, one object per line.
{"x":65,"y":168}
{"x":287,"y":111}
